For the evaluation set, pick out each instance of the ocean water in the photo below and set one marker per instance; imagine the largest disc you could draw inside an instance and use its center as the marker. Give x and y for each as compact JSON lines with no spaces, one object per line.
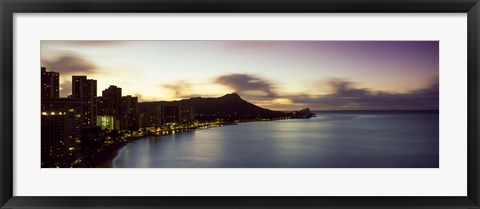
{"x":330,"y":140}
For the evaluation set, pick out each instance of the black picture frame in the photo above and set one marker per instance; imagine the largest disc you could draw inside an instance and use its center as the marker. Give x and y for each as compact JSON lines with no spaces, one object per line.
{"x":10,"y":7}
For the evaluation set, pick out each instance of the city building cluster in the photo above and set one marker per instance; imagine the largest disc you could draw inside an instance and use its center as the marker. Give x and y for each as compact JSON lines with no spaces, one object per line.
{"x":75,"y":129}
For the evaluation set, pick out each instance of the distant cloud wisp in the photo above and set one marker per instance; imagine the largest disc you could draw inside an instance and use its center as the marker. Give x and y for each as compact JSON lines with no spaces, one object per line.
{"x":86,"y":43}
{"x":247,"y":84}
{"x":65,"y":88}
{"x":69,"y":63}
{"x":346,"y":96}
{"x":179,"y":88}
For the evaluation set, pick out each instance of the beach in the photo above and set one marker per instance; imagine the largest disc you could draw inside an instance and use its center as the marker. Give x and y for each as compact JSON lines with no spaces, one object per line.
{"x":105,"y":160}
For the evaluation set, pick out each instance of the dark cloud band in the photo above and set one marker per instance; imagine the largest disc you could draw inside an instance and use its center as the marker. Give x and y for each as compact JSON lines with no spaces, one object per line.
{"x":244,"y":83}
{"x":347,"y":96}
{"x":69,"y":63}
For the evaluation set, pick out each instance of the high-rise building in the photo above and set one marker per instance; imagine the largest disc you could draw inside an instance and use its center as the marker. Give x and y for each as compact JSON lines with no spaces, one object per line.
{"x":157,"y":114}
{"x":177,"y":114}
{"x":92,"y":135}
{"x":106,"y":122}
{"x":50,"y":84}
{"x":60,"y":131}
{"x":129,"y":112}
{"x":109,"y":104}
{"x":150,"y":115}
{"x":187,"y":114}
{"x":170,"y":114}
{"x":86,"y":91}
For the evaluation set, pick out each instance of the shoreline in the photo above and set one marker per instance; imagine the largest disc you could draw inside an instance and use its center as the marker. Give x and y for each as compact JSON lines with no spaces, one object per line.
{"x":108,"y":155}
{"x":106,"y":159}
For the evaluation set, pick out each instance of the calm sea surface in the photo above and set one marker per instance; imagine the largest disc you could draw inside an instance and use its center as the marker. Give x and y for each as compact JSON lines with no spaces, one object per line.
{"x":330,"y":140}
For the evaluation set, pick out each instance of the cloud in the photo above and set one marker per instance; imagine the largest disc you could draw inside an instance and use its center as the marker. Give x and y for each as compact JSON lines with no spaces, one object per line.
{"x":89,"y":43}
{"x":346,"y":88}
{"x":69,"y":63}
{"x":65,"y":88}
{"x":179,"y":88}
{"x":251,"y":45}
{"x":248,"y":85}
{"x":346,"y":96}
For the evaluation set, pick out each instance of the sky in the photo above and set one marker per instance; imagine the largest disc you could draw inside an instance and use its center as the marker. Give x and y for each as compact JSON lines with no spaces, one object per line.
{"x":278,"y":75}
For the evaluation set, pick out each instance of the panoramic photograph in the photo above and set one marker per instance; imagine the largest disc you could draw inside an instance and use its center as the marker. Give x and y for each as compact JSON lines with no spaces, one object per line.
{"x":239,"y":104}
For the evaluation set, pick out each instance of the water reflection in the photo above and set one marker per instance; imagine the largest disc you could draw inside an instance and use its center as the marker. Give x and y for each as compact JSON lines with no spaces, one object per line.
{"x":331,"y":140}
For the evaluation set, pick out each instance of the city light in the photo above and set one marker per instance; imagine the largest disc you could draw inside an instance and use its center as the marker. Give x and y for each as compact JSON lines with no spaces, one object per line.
{"x":91,"y":123}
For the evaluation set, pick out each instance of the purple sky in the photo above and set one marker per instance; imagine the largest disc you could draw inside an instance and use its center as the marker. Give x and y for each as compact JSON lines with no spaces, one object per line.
{"x":281,"y":75}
